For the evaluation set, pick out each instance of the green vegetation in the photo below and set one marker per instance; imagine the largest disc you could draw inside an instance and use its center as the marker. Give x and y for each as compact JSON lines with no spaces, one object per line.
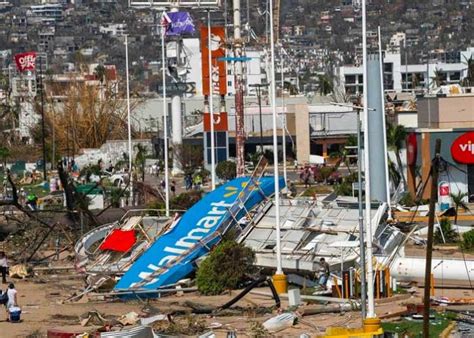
{"x":414,"y":328}
{"x":226,"y":170}
{"x":317,"y":189}
{"x":459,"y":202}
{"x":226,"y":266}
{"x":343,"y":189}
{"x":183,"y":201}
{"x":468,"y":240}
{"x":450,"y":236}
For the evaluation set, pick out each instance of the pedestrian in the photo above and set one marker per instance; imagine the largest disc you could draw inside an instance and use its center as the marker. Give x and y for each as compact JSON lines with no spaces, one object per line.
{"x":173,"y":188}
{"x":3,"y":266}
{"x":31,"y":201}
{"x":197,"y":182}
{"x":188,"y":181}
{"x":292,"y":190}
{"x":12,"y":299}
{"x":163,"y":184}
{"x":323,"y":273}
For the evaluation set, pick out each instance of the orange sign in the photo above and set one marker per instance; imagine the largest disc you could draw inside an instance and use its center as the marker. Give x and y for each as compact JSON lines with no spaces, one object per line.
{"x":220,"y":122}
{"x":219,"y":76}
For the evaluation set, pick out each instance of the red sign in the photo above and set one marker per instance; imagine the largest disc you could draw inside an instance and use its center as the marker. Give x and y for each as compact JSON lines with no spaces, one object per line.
{"x":220,"y":122}
{"x":462,"y":148}
{"x":412,"y":149}
{"x":25,"y":61}
{"x":219,"y":74}
{"x":444,"y":190}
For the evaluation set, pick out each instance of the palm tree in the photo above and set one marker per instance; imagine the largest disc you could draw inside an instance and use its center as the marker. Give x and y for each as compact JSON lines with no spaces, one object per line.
{"x":469,"y":79}
{"x":325,"y":85}
{"x":100,"y":72}
{"x":343,"y":153}
{"x":458,"y":200}
{"x":438,"y":79}
{"x":140,"y":158}
{"x":396,"y":137}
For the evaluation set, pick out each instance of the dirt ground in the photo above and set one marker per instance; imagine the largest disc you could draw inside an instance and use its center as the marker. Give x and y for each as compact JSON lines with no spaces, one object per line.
{"x":42,"y":309}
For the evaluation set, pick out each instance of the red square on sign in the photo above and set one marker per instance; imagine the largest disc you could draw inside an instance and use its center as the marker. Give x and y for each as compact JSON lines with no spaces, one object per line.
{"x":220,"y":122}
{"x":444,"y":190}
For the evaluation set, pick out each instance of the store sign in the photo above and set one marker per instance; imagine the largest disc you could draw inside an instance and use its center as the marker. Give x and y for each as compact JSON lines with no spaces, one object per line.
{"x":462,"y":148}
{"x":444,"y":189}
{"x":218,"y":51}
{"x":220,"y":122}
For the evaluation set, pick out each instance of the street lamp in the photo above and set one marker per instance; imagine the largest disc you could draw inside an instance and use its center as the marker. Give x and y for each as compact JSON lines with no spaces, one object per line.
{"x":259,"y":87}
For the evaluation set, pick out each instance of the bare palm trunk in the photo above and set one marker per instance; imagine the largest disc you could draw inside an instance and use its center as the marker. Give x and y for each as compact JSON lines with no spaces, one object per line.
{"x":400,"y":167}
{"x":456,"y":214}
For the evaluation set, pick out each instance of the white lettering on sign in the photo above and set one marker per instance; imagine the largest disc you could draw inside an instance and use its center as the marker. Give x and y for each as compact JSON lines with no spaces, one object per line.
{"x":203,"y":226}
{"x":467,"y":147}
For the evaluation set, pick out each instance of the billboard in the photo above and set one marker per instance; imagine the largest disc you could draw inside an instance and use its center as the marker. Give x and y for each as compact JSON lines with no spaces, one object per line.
{"x":173,"y":255}
{"x":219,"y":76}
{"x":180,"y":3}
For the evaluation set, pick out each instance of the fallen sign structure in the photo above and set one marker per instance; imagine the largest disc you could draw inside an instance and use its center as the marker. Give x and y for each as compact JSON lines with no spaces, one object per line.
{"x":173,"y":255}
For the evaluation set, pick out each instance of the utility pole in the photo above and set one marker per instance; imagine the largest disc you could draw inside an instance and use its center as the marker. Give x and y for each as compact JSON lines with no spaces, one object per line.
{"x":259,"y":87}
{"x":429,"y":246}
{"x":43,"y":133}
{"x":239,"y":93}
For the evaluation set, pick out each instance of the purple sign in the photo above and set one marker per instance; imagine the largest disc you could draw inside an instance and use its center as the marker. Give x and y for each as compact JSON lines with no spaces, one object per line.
{"x":179,"y":23}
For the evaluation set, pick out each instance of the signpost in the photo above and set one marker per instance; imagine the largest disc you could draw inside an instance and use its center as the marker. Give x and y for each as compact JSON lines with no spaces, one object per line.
{"x":179,"y":88}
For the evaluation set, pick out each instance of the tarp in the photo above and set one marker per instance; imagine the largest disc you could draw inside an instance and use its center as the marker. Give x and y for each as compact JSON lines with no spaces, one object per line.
{"x":173,"y":254}
{"x":119,"y":240}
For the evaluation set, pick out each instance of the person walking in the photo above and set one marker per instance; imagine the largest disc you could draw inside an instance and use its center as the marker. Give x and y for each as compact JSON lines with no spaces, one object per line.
{"x":3,"y":266}
{"x":323,"y":273}
{"x":173,"y":188}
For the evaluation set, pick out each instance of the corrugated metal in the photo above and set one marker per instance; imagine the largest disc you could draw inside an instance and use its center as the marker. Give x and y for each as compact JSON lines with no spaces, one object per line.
{"x":134,"y":332}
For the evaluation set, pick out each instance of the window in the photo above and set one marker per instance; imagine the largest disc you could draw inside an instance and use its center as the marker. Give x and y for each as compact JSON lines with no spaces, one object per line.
{"x":455,"y":76}
{"x":229,"y":83}
{"x":350,"y":79}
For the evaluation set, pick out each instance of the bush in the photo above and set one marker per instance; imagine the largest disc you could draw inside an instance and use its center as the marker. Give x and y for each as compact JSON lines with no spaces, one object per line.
{"x":326,"y":172}
{"x":407,"y":200}
{"x":449,"y":234}
{"x":343,"y":189}
{"x":468,"y":240}
{"x":226,"y":170}
{"x":183,"y":201}
{"x":226,"y":266}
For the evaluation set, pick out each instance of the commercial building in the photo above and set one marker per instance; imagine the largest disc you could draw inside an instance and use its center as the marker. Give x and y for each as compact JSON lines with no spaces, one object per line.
{"x":449,"y":118}
{"x":399,"y":76}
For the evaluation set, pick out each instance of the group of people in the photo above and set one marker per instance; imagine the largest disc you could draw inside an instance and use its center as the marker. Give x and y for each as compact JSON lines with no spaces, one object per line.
{"x":10,"y":294}
{"x":190,"y":181}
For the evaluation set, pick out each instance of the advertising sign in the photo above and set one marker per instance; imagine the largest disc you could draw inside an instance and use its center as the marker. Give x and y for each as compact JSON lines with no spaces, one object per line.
{"x":172,"y":256}
{"x":219,"y":75}
{"x":462,"y":148}
{"x":25,"y":61}
{"x":220,"y":122}
{"x":178,"y":23}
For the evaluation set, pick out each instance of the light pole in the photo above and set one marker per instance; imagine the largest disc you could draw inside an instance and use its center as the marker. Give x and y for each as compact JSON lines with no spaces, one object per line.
{"x":279,"y":279}
{"x":130,"y":153}
{"x":165,"y":117}
{"x":211,"y":103}
{"x":363,"y":280}
{"x":259,"y":87}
